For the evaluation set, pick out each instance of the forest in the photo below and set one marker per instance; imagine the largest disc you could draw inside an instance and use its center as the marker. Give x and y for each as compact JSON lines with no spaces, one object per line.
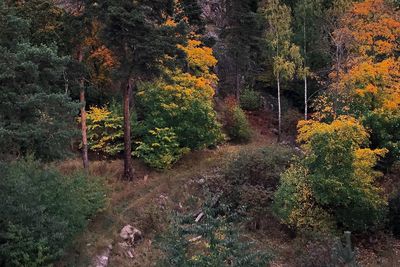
{"x":204,"y":133}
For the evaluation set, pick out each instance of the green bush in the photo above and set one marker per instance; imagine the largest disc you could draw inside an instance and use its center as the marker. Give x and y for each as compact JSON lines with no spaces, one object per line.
{"x":251,"y":178}
{"x":295,"y":205}
{"x":42,"y":211}
{"x":160,"y":148}
{"x":219,"y":243}
{"x":191,"y":116}
{"x":385,"y":129}
{"x":236,"y":124}
{"x":250,"y":100}
{"x":334,"y":183}
{"x":105,"y":129}
{"x":239,"y":128}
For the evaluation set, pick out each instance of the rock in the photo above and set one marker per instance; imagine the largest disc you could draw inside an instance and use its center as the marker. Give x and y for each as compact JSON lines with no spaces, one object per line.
{"x":102,"y":259}
{"x":199,"y":217}
{"x":130,"y":234}
{"x":130,"y":253}
{"x":195,"y":239}
{"x":162,"y":201}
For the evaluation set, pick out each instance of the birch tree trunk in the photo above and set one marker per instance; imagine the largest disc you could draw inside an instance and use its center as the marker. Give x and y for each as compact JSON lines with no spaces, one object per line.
{"x":305,"y":98}
{"x":305,"y":65}
{"x":279,"y":109}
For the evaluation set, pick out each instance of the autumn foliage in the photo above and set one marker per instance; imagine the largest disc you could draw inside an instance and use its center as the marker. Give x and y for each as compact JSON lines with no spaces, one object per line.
{"x":371,"y":73}
{"x":333,"y":186}
{"x":183,"y":102}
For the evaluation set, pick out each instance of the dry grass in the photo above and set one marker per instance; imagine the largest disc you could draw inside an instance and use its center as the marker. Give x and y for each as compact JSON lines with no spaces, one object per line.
{"x":146,"y":205}
{"x":142,"y":203}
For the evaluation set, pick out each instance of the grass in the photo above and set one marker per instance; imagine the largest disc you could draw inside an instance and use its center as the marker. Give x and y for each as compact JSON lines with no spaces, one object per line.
{"x":142,"y":203}
{"x":146,"y":203}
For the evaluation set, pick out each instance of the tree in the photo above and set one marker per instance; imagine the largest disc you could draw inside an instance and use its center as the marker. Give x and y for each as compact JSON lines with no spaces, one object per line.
{"x":217,"y":242}
{"x":183,"y":100}
{"x":139,"y":38}
{"x":45,"y":20}
{"x":365,"y":79}
{"x":286,"y":58}
{"x":334,"y":183}
{"x":307,"y":15}
{"x":36,"y":114}
{"x":105,"y":129}
{"x":42,"y":211}
{"x":241,"y":38}
{"x":98,"y":62}
{"x":372,"y":74}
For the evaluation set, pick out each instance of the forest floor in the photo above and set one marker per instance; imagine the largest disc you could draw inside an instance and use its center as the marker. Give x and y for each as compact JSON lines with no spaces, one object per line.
{"x":146,"y":202}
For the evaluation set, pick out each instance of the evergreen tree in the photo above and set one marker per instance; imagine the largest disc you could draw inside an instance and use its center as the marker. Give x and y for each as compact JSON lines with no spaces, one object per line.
{"x":77,"y":28}
{"x":45,"y":18}
{"x":242,"y":38}
{"x":36,"y":114}
{"x":137,"y":35}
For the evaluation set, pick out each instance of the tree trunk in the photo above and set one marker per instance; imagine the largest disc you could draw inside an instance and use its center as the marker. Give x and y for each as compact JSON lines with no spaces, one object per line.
{"x":305,"y":98}
{"x":237,"y":91}
{"x":305,"y":64}
{"x":85,"y":158}
{"x":337,"y":78}
{"x":279,"y":109}
{"x":128,"y":170}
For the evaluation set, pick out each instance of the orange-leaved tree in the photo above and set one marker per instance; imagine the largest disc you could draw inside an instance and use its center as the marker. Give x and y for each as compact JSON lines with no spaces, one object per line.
{"x":371,"y":75}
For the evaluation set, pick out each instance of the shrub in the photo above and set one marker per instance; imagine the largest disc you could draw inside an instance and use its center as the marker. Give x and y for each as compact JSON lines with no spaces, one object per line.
{"x":294,"y":203}
{"x":219,"y":243}
{"x":189,"y":111}
{"x":42,"y":211}
{"x":236,"y":123}
{"x":250,"y":179}
{"x":250,"y":100}
{"x":160,"y":148}
{"x":335,"y":179}
{"x":105,"y":129}
{"x":385,"y":128}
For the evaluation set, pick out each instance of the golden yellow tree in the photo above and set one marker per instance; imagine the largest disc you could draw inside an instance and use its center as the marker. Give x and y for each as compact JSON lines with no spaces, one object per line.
{"x":184,"y":100}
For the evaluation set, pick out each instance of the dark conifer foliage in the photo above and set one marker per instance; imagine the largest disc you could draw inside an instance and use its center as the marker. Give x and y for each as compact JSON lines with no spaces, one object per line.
{"x":36,"y":113}
{"x":136,"y":33}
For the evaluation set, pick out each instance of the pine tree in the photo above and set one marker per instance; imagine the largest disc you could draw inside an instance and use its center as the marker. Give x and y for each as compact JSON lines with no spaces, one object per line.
{"x":242,"y":41}
{"x":138,"y":38}
{"x":36,"y":114}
